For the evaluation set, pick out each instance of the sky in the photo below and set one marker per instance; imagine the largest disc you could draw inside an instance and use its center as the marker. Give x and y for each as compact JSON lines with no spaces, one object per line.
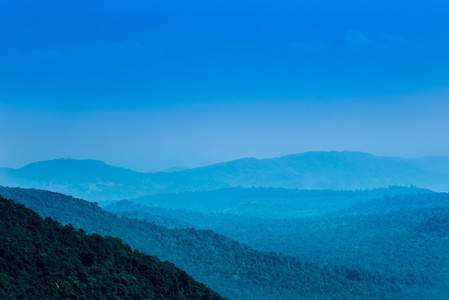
{"x":150,"y":85}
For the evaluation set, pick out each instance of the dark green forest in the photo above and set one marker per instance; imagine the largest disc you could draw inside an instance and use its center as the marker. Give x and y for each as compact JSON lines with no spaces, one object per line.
{"x":42,"y":259}
{"x":227,"y":266}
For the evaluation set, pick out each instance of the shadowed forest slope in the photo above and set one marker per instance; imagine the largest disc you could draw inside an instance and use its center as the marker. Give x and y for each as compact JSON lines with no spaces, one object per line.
{"x":41,"y":259}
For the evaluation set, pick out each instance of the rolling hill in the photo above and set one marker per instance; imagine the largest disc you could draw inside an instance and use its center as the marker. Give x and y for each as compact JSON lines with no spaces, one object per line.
{"x":97,"y":181}
{"x":402,"y":232}
{"x":272,"y":203}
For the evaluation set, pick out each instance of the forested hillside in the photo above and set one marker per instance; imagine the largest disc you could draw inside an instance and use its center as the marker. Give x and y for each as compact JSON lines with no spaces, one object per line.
{"x":403,"y":235}
{"x":273,"y":203}
{"x":41,"y":259}
{"x":229,"y":267}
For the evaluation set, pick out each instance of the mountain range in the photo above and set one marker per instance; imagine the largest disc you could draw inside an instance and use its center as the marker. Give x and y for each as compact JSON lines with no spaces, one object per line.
{"x":96,"y":181}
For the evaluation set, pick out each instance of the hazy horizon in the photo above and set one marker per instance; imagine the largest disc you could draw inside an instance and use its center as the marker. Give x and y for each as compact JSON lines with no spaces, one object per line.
{"x":177,"y":168}
{"x":155,"y":85}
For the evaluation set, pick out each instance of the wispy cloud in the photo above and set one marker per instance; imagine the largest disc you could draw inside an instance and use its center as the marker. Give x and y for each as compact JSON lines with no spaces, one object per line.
{"x":356,"y":38}
{"x":381,"y":41}
{"x":395,"y":39}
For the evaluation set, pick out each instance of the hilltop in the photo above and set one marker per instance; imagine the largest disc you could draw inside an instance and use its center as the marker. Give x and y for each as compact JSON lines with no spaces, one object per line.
{"x":97,"y":181}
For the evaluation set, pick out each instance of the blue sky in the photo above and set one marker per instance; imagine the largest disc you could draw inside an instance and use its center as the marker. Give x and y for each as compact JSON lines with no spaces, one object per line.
{"x":155,"y":84}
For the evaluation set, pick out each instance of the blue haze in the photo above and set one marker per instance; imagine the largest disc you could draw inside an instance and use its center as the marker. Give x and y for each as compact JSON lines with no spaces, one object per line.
{"x":155,"y":84}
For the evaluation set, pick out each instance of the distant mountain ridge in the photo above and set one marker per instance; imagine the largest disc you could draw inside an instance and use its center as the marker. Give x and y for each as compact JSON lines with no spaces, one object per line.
{"x":346,"y":170}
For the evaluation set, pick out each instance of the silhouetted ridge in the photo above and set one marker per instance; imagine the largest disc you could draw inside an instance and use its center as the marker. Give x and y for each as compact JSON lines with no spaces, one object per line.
{"x":76,"y":170}
{"x":97,"y":181}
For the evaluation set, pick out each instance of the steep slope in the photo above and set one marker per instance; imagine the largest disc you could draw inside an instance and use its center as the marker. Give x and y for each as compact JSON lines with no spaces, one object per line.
{"x":96,"y":181}
{"x":41,"y":259}
{"x":231,"y":268}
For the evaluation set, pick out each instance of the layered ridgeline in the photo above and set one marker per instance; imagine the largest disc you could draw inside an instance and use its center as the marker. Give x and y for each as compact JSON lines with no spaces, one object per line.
{"x":41,"y":259}
{"x":272,"y":203}
{"x":96,"y":181}
{"x":399,"y":231}
{"x":229,"y":267}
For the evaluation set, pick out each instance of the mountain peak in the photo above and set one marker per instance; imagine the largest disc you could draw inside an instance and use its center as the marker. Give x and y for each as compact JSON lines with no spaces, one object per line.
{"x":65,"y":163}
